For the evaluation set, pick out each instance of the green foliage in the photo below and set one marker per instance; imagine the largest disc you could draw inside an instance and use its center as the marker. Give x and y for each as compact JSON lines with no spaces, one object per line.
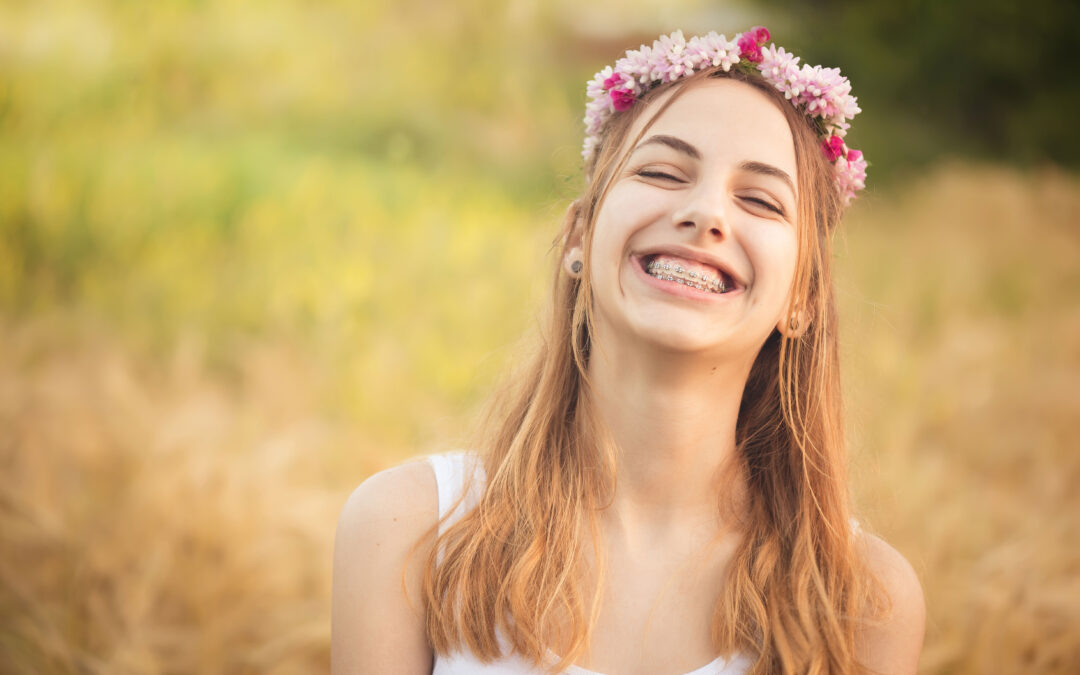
{"x":345,"y":176}
{"x":987,"y":78}
{"x":349,"y":175}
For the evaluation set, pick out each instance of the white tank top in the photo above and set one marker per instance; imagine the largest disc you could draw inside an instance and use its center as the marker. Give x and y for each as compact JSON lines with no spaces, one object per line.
{"x":451,"y":470}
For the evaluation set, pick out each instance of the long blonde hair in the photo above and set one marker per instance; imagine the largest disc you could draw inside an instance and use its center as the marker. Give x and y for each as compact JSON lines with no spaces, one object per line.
{"x":796,"y":588}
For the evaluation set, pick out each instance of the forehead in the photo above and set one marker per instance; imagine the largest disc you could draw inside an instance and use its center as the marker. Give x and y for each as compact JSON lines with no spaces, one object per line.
{"x":726,"y":120}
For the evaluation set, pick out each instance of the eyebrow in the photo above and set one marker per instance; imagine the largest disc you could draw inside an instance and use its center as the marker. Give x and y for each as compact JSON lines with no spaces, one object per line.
{"x":768,"y":170}
{"x":672,"y":142}
{"x":682,"y":146}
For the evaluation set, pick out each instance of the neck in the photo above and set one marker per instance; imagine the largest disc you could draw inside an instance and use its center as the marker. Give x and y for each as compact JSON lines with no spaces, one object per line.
{"x":672,"y":417}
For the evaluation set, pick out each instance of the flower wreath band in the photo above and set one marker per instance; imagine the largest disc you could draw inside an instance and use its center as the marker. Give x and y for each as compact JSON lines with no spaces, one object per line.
{"x":822,"y":94}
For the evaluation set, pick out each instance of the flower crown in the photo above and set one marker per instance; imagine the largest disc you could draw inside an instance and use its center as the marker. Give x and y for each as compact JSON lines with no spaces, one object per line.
{"x":821,"y":94}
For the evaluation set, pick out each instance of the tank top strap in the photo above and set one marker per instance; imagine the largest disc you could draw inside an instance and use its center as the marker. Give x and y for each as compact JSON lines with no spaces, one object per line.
{"x":454,"y":473}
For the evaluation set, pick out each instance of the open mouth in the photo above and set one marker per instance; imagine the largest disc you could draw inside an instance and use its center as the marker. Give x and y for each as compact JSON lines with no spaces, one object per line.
{"x":686,"y":272}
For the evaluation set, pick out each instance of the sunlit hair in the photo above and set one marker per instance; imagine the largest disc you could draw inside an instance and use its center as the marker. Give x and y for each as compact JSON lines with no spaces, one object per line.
{"x":797,"y":587}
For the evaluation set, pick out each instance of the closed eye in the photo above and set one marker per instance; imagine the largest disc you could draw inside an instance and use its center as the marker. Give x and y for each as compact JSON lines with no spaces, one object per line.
{"x":766,"y":204}
{"x":645,"y":173}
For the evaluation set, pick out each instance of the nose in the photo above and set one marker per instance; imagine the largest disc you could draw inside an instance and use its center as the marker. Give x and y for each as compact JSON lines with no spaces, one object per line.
{"x":704,"y":211}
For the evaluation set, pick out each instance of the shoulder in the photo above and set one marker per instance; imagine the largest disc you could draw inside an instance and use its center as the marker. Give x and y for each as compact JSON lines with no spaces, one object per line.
{"x":377,"y":622}
{"x":392,"y":508}
{"x":892,"y":644}
{"x":404,"y":490}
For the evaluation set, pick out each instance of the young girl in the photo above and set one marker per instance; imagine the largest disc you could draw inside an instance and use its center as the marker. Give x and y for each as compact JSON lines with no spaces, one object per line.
{"x":662,"y":489}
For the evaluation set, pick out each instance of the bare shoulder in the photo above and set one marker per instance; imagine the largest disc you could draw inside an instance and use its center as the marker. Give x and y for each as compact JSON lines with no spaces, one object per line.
{"x":404,"y":490}
{"x":892,"y":645}
{"x":374,"y":626}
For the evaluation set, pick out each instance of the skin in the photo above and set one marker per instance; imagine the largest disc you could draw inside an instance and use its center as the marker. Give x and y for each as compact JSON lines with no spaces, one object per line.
{"x":668,"y":376}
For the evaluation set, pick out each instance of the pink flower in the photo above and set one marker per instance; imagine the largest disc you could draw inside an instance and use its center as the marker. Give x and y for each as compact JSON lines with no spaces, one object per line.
{"x":615,"y":79}
{"x":635,"y":65}
{"x":833,"y":147}
{"x":749,"y":49}
{"x":622,"y":99}
{"x":850,"y":175}
{"x":781,"y":70}
{"x":761,"y":34}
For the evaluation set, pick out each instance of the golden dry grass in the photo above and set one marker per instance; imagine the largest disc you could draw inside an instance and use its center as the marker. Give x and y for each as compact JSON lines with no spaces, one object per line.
{"x":962,"y":296}
{"x":162,"y":512}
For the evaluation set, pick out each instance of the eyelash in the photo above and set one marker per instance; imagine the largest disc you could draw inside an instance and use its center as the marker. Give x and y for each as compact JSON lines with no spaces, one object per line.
{"x":644,"y":173}
{"x":768,"y":205}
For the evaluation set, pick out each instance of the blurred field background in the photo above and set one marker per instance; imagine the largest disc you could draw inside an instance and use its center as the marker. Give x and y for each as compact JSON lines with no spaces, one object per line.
{"x":253,"y":251}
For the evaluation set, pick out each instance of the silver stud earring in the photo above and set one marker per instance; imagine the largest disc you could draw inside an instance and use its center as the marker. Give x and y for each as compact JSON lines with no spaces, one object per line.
{"x":576,"y":266}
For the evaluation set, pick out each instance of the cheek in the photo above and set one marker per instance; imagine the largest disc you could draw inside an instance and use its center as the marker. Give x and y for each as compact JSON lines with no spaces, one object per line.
{"x":789,"y":258}
{"x":776,"y":250}
{"x":628,"y":207}
{"x":611,"y":227}
{"x":602,"y":242}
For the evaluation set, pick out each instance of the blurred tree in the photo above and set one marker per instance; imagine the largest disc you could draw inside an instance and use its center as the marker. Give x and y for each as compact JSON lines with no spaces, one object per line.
{"x":989,"y":78}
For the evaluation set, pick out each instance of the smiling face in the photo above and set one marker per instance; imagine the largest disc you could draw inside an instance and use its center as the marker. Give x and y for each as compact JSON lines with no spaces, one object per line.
{"x":706,"y":202}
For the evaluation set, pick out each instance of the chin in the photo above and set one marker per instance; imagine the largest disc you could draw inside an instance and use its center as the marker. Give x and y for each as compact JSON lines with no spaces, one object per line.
{"x":686,"y":342}
{"x":695,"y":334}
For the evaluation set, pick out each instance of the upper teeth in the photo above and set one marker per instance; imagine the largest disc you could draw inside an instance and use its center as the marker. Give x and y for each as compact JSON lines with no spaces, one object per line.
{"x":675,"y":272}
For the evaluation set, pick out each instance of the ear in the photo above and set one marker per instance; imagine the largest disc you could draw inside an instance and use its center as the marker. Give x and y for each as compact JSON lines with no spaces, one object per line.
{"x":794,"y":321}
{"x":571,"y":238}
{"x":571,"y":227}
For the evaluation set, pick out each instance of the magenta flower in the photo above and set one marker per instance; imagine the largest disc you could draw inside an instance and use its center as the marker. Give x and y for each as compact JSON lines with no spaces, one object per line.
{"x":612,"y":81}
{"x":749,"y":49}
{"x":622,"y":99}
{"x":854,"y":155}
{"x":761,"y":34}
{"x":833,"y":147}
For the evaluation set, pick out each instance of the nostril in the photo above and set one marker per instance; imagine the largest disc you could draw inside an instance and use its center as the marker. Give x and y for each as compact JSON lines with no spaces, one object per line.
{"x":715,"y":231}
